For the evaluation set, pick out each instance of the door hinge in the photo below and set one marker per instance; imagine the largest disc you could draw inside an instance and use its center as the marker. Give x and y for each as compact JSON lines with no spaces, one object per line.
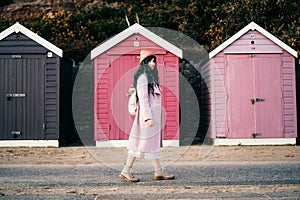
{"x":254,"y":135}
{"x":15,"y":134}
{"x":16,"y":56}
{"x":44,"y":126}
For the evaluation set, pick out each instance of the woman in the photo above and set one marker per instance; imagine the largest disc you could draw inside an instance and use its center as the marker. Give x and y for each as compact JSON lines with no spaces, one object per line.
{"x":145,"y":135}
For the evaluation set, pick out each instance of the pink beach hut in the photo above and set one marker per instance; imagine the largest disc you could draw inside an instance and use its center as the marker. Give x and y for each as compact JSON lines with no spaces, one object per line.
{"x":115,"y":62}
{"x":251,"y":86}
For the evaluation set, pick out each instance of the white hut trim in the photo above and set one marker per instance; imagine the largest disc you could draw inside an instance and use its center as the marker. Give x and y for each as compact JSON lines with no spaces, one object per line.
{"x":252,"y":26}
{"x":17,"y":27}
{"x":135,"y":29}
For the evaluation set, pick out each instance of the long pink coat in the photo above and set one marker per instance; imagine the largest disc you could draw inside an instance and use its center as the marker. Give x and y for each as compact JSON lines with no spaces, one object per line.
{"x":143,"y":138}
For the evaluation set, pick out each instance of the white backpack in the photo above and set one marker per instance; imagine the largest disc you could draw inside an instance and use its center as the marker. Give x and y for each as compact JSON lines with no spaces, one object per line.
{"x":132,"y":102}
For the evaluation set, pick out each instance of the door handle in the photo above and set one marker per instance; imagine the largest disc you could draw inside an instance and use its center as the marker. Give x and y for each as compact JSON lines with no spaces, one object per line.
{"x":15,"y":95}
{"x":257,"y":100}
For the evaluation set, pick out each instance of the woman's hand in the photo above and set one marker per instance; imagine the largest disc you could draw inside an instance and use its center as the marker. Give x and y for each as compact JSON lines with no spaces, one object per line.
{"x":149,"y":122}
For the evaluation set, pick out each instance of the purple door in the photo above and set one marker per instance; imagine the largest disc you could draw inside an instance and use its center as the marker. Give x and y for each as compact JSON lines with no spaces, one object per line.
{"x":254,"y":96}
{"x":22,"y":97}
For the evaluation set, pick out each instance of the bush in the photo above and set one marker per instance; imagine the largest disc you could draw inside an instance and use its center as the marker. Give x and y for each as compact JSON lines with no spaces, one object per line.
{"x":5,"y":2}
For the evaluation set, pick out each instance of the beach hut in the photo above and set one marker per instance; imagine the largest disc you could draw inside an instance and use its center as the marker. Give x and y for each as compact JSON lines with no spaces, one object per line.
{"x":115,"y":62}
{"x":32,"y":71}
{"x":250,"y":92}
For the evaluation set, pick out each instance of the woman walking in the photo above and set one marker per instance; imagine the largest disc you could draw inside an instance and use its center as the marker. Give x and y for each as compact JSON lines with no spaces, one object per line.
{"x":145,"y":136}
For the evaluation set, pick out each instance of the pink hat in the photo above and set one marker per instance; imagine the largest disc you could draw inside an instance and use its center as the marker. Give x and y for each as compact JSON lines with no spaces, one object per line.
{"x":144,"y":54}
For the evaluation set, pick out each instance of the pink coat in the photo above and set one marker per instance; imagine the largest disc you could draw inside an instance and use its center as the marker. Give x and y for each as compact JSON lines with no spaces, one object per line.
{"x":143,"y":138}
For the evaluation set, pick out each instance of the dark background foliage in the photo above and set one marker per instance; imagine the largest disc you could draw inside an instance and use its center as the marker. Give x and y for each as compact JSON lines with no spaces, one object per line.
{"x":79,"y":26}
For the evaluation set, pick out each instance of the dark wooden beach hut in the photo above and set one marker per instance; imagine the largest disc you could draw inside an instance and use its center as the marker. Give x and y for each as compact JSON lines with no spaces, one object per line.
{"x":35,"y":90}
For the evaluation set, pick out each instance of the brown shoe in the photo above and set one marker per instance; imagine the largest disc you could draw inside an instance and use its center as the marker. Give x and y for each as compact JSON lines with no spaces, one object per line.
{"x":159,"y":175}
{"x":127,"y":176}
{"x":129,"y":179}
{"x":164,"y":177}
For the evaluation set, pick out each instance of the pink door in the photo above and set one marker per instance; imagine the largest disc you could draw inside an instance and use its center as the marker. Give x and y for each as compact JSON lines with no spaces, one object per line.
{"x":268,"y":109}
{"x":121,"y":73}
{"x":254,"y":96}
{"x":240,"y":91}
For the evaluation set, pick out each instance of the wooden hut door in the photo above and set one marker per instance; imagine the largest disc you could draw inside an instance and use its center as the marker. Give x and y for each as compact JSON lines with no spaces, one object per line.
{"x":254,"y":96}
{"x":21,"y":97}
{"x":268,"y":94}
{"x":240,"y":91}
{"x":121,"y":73}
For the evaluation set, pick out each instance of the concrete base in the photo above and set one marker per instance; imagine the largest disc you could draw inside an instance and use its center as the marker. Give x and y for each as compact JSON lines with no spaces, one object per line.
{"x":29,"y":143}
{"x":123,"y":143}
{"x":257,"y":141}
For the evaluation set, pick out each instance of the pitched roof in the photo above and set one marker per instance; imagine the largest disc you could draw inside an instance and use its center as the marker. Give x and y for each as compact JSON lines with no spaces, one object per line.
{"x":252,"y":26}
{"x":134,"y":29}
{"x":17,"y":27}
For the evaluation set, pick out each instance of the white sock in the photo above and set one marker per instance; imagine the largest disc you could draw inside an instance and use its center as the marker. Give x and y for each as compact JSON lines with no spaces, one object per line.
{"x":156,"y":164}
{"x":130,"y":160}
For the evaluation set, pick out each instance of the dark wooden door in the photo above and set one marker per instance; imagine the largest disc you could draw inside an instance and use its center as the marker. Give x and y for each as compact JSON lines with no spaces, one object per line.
{"x":22,"y":81}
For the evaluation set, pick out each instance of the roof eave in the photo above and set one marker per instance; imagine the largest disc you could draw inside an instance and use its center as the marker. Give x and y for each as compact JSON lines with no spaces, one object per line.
{"x":252,"y":26}
{"x":17,"y":27}
{"x":135,"y":29}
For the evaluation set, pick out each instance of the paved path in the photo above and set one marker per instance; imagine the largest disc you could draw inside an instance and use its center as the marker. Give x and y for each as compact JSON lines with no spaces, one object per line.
{"x":194,"y":180}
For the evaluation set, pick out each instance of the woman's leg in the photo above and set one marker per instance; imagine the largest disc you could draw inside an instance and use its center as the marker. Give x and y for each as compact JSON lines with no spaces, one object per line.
{"x":158,"y":173}
{"x":130,"y":160}
{"x":126,"y":172}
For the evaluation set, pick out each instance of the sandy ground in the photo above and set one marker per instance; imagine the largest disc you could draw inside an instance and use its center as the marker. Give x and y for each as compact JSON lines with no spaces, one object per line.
{"x":261,"y":192}
{"x":93,"y":155}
